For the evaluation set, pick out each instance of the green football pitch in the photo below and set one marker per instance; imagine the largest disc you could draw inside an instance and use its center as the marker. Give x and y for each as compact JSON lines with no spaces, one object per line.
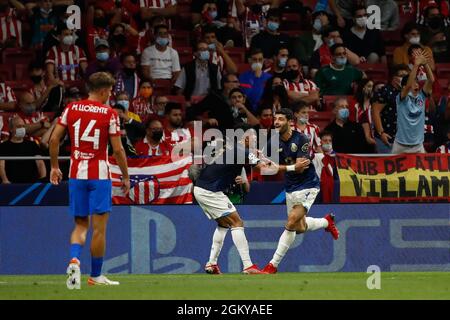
{"x":394,"y":285}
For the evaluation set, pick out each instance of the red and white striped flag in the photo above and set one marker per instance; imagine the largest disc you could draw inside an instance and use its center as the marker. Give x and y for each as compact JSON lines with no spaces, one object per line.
{"x":154,"y":180}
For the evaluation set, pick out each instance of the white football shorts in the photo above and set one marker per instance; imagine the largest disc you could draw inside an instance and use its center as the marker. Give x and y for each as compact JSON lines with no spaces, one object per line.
{"x":301,"y":197}
{"x":214,"y":204}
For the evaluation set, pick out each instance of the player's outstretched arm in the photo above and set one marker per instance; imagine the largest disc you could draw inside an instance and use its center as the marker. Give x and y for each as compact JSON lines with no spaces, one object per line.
{"x":119,"y":155}
{"x":57,"y":134}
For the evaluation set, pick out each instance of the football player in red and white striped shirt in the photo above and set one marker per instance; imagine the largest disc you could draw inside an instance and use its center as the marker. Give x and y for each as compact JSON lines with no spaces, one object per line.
{"x":10,"y":25}
{"x":66,"y":61}
{"x":91,"y":124}
{"x":153,"y":144}
{"x":297,"y":87}
{"x":8,"y":101}
{"x":302,"y":125}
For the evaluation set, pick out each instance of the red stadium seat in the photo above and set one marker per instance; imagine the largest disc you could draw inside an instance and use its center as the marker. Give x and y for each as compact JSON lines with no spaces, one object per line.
{"x":392,"y":38}
{"x":178,"y":99}
{"x":375,"y":71}
{"x":183,"y":7}
{"x":236,"y":54}
{"x":180,"y":38}
{"x":310,"y":3}
{"x":185,"y":54}
{"x":182,"y":21}
{"x":19,"y":87}
{"x":443,"y":70}
{"x":162,"y":86}
{"x":13,"y":56}
{"x":21,"y":72}
{"x":290,"y":21}
{"x":321,"y":118}
{"x":443,"y":83}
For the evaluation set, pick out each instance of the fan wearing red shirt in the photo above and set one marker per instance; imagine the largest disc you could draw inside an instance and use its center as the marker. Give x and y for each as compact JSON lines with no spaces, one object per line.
{"x":174,"y":133}
{"x":90,"y":124}
{"x":153,"y":144}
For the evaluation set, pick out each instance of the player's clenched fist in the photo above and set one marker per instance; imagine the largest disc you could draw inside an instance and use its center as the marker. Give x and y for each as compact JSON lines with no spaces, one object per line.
{"x":302,"y":164}
{"x":55,"y":176}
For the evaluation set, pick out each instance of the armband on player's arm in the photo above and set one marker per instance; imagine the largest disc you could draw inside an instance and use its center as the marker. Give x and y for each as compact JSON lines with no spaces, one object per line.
{"x":290,"y":168}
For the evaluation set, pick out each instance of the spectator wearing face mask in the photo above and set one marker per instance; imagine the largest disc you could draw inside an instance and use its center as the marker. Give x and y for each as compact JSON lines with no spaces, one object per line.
{"x":275,"y":94}
{"x":66,"y":61}
{"x":301,"y":115}
{"x":159,"y":106}
{"x":265,"y":118}
{"x":200,"y":75}
{"x":14,"y":171}
{"x":127,"y":129}
{"x":278,"y":67}
{"x":253,"y":81}
{"x":127,"y":78}
{"x":270,"y":40}
{"x":42,"y":20}
{"x":49,"y":98}
{"x":338,"y":77}
{"x":142,"y":105}
{"x":208,"y":12}
{"x":97,"y":28}
{"x":103,"y":61}
{"x":153,"y":143}
{"x":348,"y":136}
{"x":159,"y":61}
{"x":411,"y":34}
{"x":123,"y":99}
{"x":240,"y":112}
{"x":36,"y":123}
{"x":123,"y":38}
{"x":325,"y":165}
{"x":363,"y":41}
{"x":323,"y":57}
{"x":218,"y":56}
{"x":298,"y":88}
{"x":304,"y":45}
{"x":436,"y":35}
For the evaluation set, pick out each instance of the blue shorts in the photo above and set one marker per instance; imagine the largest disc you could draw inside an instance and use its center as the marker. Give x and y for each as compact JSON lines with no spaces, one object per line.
{"x":88,"y":197}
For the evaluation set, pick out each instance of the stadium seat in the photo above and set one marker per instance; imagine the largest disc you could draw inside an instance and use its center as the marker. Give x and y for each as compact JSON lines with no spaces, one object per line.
{"x":310,"y":3}
{"x":183,"y":7}
{"x":14,"y":56}
{"x":19,"y":87}
{"x":185,"y":54}
{"x":196,"y":99}
{"x":294,"y":33}
{"x":236,"y":54}
{"x":182,"y":21}
{"x":443,"y":83}
{"x":180,"y":38}
{"x":375,"y":71}
{"x":290,"y":21}
{"x":80,"y":84}
{"x":443,"y":70}
{"x":162,"y":86}
{"x":392,"y":38}
{"x":321,"y":118}
{"x":21,"y":72}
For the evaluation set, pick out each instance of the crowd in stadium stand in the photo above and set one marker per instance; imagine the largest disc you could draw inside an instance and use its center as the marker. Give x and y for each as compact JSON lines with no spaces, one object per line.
{"x":222,"y":62}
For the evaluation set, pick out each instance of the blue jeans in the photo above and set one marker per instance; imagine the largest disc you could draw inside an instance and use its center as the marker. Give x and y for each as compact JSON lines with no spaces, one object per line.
{"x":381,"y":147}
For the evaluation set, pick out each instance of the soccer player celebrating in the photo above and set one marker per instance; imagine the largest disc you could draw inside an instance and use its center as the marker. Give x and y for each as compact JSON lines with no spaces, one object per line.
{"x":209,"y":189}
{"x":302,"y":187}
{"x":90,"y":123}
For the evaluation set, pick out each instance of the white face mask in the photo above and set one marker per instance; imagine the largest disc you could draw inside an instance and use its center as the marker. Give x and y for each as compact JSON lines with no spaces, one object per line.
{"x":361,"y":22}
{"x":327,"y":147}
{"x":20,"y":133}
{"x":68,"y":40}
{"x":414,"y":40}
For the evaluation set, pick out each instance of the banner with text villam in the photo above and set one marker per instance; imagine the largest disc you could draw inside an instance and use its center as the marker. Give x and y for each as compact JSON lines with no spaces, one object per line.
{"x":403,"y":177}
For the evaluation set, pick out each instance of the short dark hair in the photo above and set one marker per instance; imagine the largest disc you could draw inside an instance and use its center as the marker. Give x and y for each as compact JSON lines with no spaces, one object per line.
{"x":61,"y":27}
{"x":150,"y":121}
{"x":256,"y":51}
{"x":159,"y":27}
{"x":260,"y":110}
{"x":125,"y":55}
{"x":100,"y":80}
{"x":172,"y":106}
{"x":226,"y":77}
{"x":299,"y":105}
{"x":209,"y":29}
{"x":119,"y":106}
{"x":397,"y":68}
{"x":286,"y":112}
{"x":408,"y":27}
{"x":335,"y":47}
{"x":357,"y":8}
{"x":413,"y":47}
{"x":36,"y":64}
{"x":282,"y":47}
{"x":275,"y":13}
{"x":237,"y":90}
{"x":328,"y":29}
{"x":317,"y":13}
{"x":325,"y":133}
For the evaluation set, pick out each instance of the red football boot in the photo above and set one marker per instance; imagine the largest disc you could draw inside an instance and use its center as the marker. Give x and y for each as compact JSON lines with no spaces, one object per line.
{"x":212,"y":268}
{"x":270,"y":268}
{"x":253,"y":270}
{"x":332,"y":226}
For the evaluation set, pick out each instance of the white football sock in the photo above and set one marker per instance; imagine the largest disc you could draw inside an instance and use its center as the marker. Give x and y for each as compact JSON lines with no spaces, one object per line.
{"x":286,"y":239}
{"x":316,"y":223}
{"x":240,"y":241}
{"x":217,"y":244}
